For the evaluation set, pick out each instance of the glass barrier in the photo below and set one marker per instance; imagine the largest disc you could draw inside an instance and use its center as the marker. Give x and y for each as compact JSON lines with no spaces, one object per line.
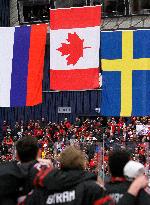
{"x":96,"y":154}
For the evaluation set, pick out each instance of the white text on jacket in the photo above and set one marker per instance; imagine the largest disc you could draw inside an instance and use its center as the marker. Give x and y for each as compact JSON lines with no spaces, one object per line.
{"x":63,"y":197}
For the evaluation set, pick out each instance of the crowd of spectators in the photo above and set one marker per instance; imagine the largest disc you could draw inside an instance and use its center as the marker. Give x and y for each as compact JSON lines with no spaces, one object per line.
{"x":31,"y":180}
{"x":95,"y":137}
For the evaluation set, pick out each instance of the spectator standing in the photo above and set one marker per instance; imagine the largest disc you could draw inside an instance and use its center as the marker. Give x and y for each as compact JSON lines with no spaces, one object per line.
{"x":71,"y":185}
{"x":14,"y":175}
{"x":119,"y":185}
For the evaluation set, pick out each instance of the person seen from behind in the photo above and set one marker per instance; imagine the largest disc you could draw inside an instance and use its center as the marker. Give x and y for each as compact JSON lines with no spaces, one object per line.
{"x":14,"y":178}
{"x":71,"y":185}
{"x":119,"y":185}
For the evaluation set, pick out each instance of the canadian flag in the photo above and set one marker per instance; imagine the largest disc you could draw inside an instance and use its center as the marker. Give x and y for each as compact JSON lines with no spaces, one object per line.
{"x":74,"y":48}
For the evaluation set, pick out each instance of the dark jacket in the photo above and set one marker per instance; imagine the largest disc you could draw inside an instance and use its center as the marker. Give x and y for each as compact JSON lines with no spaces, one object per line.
{"x":67,"y":187}
{"x":117,"y":190}
{"x":14,"y":181}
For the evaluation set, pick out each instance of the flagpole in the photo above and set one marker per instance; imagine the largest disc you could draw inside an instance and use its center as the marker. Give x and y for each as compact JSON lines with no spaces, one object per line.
{"x":103,"y":158}
{"x":58,"y":91}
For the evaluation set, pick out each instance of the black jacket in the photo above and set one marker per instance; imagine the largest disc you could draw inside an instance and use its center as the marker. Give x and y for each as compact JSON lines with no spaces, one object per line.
{"x":67,"y":187}
{"x":117,"y":190}
{"x":14,"y":181}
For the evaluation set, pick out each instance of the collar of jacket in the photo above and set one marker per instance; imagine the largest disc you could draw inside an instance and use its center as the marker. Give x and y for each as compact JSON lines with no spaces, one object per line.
{"x":118,"y":179}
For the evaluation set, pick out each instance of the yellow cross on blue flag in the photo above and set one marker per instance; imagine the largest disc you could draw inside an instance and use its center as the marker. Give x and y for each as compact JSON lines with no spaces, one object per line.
{"x":126,"y":73}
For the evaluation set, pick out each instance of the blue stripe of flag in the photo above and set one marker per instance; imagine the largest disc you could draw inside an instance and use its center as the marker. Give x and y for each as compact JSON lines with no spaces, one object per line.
{"x":141,"y":93}
{"x":141,"y":43}
{"x":20,"y":60}
{"x":111,"y":94}
{"x":111,"y":45}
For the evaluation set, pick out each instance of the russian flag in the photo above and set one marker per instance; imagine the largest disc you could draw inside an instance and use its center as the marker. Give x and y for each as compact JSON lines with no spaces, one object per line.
{"x":22,"y":52}
{"x":74,"y":48}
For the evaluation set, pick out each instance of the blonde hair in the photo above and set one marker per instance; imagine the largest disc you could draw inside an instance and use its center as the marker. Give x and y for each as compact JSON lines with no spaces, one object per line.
{"x":72,"y":158}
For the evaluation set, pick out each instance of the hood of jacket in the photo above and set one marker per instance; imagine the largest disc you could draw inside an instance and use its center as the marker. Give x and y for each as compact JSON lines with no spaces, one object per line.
{"x":60,"y":180}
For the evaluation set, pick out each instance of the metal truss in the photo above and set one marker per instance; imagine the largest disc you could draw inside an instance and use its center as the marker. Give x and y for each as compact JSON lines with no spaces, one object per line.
{"x":130,"y":22}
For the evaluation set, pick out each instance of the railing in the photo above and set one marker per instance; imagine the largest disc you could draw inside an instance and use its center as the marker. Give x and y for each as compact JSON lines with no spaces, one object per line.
{"x":36,"y":13}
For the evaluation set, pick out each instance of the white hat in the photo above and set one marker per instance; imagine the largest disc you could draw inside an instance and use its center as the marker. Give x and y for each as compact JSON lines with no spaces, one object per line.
{"x":133,"y":169}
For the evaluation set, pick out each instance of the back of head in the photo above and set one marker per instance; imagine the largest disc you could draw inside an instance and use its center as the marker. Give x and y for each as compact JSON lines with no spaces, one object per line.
{"x":117,"y":161}
{"x":72,"y":158}
{"x":27,"y":149}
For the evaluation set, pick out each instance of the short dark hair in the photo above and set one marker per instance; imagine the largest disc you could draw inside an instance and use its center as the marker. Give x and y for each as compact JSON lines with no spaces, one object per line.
{"x":117,"y":161}
{"x":27,"y":149}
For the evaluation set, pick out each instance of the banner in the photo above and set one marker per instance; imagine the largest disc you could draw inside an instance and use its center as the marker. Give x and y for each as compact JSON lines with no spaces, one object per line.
{"x":126,"y":73}
{"x":74,"y":48}
{"x":22,"y":52}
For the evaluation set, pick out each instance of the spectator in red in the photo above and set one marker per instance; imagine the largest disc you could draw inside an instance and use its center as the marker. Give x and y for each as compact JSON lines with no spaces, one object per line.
{"x":8,"y":140}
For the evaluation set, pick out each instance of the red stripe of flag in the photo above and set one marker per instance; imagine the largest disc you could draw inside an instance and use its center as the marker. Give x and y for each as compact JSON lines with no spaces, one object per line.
{"x":77,"y":79}
{"x":68,"y":18}
{"x":36,"y":64}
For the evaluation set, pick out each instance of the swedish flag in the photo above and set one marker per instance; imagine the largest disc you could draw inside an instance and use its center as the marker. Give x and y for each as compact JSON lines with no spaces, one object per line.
{"x":126,"y":73}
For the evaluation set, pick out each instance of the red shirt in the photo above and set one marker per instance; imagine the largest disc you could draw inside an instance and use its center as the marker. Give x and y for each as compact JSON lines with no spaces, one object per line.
{"x":8,"y":141}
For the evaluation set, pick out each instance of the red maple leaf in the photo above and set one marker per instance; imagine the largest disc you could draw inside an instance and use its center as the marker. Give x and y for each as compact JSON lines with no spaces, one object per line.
{"x":74,"y":49}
